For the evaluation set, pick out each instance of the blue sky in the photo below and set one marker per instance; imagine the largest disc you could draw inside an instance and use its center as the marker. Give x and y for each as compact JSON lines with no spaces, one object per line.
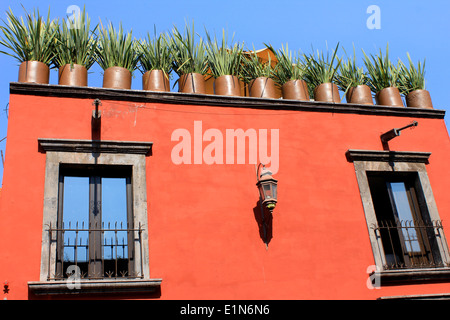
{"x":419,"y":27}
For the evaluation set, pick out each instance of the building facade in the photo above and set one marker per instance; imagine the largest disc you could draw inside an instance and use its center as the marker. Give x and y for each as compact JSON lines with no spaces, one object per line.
{"x":160,"y":189}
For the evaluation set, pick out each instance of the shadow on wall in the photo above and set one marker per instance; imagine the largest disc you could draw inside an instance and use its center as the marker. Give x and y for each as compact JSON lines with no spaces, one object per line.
{"x":264,"y":220}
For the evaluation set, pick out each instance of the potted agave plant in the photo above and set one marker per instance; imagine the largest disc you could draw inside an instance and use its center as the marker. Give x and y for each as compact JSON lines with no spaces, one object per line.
{"x":117,"y":56}
{"x":289,"y":74}
{"x":352,"y":80}
{"x":383,"y":79}
{"x":155,"y":62}
{"x":321,"y":74}
{"x":31,"y":42}
{"x":258,"y":75}
{"x":225,"y":65}
{"x":76,"y":51}
{"x":189,"y":61}
{"x":412,"y":85}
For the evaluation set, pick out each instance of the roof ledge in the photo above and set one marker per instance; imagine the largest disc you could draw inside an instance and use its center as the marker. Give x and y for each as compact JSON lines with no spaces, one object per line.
{"x":216,"y":100}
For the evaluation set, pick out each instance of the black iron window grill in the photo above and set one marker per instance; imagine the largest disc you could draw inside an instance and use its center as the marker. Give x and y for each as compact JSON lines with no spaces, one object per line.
{"x":95,"y":251}
{"x":409,"y":244}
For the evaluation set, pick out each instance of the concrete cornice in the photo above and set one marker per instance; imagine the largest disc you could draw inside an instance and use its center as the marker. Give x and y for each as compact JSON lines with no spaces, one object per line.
{"x":390,"y":156}
{"x":216,"y":100}
{"x":94,"y":146}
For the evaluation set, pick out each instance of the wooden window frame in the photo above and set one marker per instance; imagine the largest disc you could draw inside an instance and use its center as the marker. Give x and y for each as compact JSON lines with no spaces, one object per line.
{"x":95,"y":175}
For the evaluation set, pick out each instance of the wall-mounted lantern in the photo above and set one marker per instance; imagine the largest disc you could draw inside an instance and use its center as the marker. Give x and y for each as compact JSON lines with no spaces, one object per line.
{"x":267,"y":186}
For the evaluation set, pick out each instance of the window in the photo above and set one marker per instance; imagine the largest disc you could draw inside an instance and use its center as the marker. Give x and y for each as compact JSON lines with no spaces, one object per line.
{"x":95,"y":217}
{"x":95,"y":222}
{"x":407,"y":233}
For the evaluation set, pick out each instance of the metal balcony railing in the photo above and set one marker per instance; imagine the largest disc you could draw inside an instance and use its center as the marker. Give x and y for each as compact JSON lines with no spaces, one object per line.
{"x":411,"y":244}
{"x":95,"y":251}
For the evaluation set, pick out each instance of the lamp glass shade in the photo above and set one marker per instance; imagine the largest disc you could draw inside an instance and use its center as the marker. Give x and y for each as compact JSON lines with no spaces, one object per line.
{"x":274,"y":191}
{"x":267,"y":191}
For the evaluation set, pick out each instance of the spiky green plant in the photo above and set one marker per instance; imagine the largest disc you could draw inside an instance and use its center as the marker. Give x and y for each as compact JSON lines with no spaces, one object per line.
{"x":322,"y":69}
{"x":411,"y":78}
{"x":116,"y":48}
{"x":189,"y":55}
{"x":32,"y":38}
{"x":155,"y":54}
{"x":382,"y":73}
{"x":77,"y":44}
{"x":254,"y":67}
{"x":289,"y":67}
{"x":222,"y":58}
{"x":350,"y":75}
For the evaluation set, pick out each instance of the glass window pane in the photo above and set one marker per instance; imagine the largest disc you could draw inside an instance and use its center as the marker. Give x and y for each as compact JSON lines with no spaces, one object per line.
{"x":114,"y":217}
{"x":405,"y":215}
{"x":114,"y":202}
{"x":75,"y":218}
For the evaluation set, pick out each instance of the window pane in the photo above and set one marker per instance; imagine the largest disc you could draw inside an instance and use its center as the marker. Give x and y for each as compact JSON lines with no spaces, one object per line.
{"x":75,"y":217}
{"x":405,"y":215}
{"x":114,"y":202}
{"x":114,"y":216}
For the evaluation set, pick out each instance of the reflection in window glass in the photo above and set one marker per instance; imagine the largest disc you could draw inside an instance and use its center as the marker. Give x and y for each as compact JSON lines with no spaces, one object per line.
{"x":114,"y":216}
{"x":405,"y":215}
{"x":76,"y":216}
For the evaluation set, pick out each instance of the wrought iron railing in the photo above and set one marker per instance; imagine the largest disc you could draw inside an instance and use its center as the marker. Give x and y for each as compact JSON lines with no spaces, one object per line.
{"x":411,"y":244}
{"x":95,"y":251}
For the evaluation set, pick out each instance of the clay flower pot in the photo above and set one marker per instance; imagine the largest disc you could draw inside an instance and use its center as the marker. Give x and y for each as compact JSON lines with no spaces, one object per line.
{"x":295,"y":90}
{"x":327,"y":92}
{"x":360,"y":94}
{"x":227,"y":85}
{"x":73,"y":75}
{"x":192,"y":83}
{"x":155,"y":80}
{"x":419,"y":99}
{"x":34,"y":71}
{"x":117,"y":78}
{"x":262,"y":87}
{"x":389,"y":96}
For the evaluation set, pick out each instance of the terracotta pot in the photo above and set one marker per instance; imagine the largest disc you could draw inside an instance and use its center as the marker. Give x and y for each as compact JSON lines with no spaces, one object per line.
{"x":192,"y":83}
{"x":295,"y":90}
{"x":34,"y":71}
{"x":262,"y":87}
{"x":227,"y":86}
{"x":360,"y":94}
{"x":389,"y":96}
{"x":73,"y":75}
{"x":327,"y":92}
{"x":117,"y":78}
{"x":419,"y":99}
{"x":155,"y":80}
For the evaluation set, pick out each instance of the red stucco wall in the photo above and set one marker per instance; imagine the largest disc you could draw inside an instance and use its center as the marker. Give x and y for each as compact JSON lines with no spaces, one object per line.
{"x":204,"y":239}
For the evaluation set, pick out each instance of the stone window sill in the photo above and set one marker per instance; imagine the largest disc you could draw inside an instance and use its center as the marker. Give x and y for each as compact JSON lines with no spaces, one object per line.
{"x":97,"y":287}
{"x":411,"y":276}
